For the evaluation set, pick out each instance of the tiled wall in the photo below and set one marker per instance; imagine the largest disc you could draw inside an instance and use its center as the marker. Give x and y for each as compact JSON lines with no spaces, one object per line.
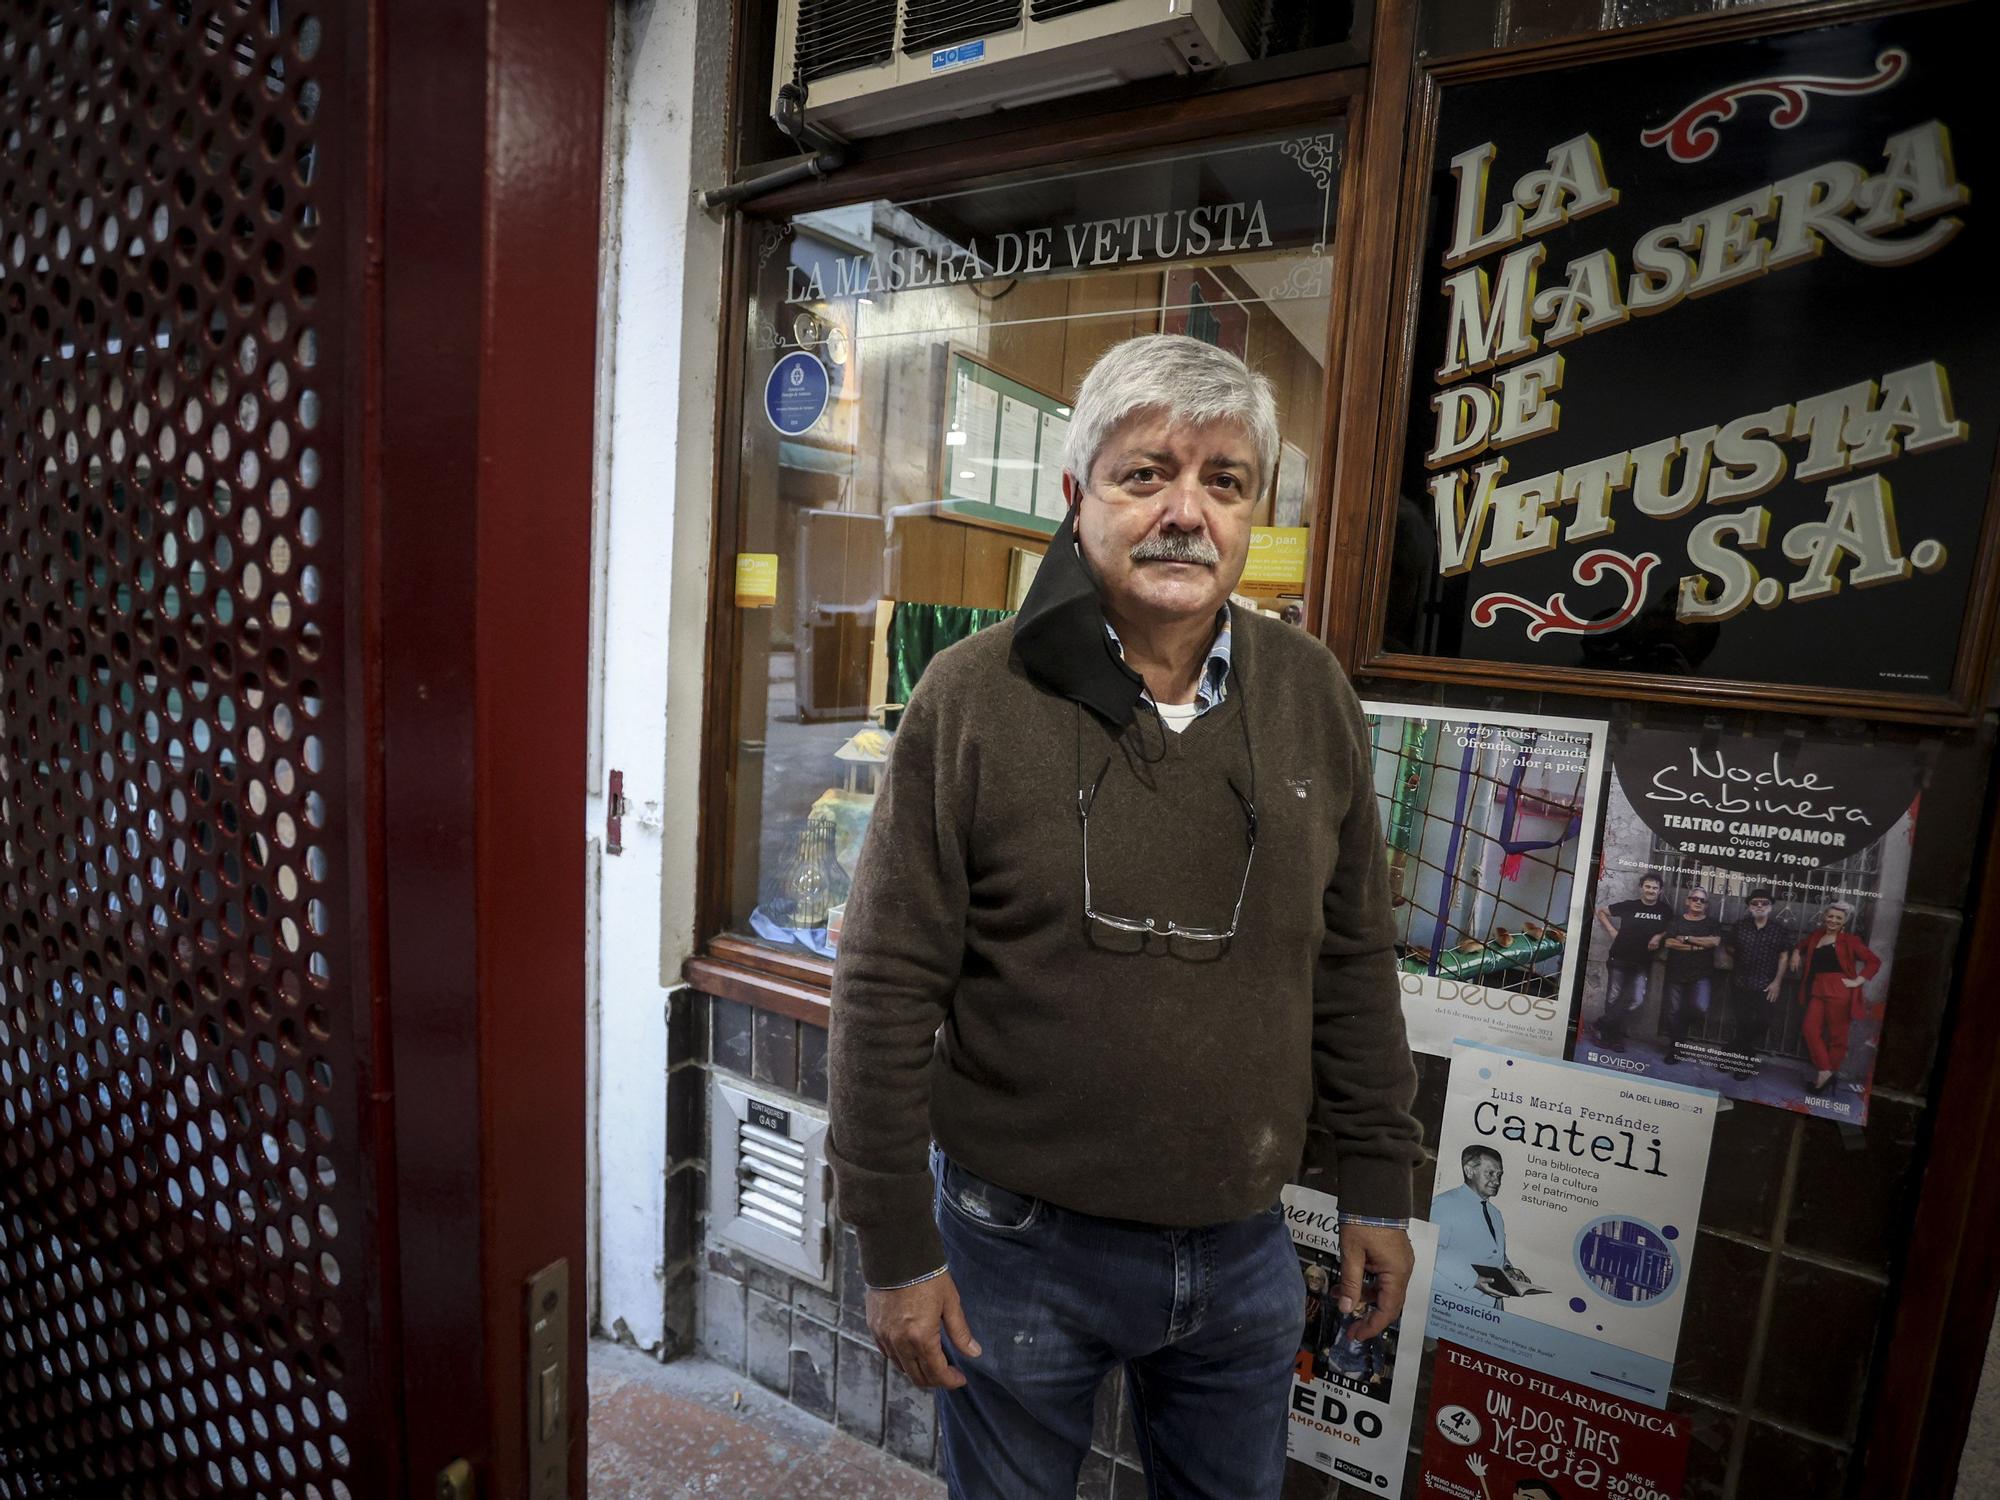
{"x":1804,"y":1221}
{"x":1803,"y":1227}
{"x":808,"y":1345}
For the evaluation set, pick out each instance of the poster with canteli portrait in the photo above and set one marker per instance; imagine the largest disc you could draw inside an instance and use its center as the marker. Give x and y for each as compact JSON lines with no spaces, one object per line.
{"x":1565,"y":1204}
{"x":1696,"y":392}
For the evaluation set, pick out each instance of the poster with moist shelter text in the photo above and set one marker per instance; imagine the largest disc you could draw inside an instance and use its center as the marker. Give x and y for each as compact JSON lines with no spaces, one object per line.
{"x":1488,"y":819}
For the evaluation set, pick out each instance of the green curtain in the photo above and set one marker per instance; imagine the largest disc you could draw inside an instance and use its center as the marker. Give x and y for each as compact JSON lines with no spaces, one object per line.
{"x":917,"y":632}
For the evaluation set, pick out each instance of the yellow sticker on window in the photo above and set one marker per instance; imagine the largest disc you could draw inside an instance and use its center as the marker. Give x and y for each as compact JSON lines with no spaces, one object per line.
{"x":1277,"y":562}
{"x":756,"y":580}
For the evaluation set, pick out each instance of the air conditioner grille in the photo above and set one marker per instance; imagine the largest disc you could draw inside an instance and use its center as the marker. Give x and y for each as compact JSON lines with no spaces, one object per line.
{"x":1048,"y":10}
{"x":1246,"y":19}
{"x":838,"y":36}
{"x":771,"y":1181}
{"x":939,"y":23}
{"x":1245,"y":16}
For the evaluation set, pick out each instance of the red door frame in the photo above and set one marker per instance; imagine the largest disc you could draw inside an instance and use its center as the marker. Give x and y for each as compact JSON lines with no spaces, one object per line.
{"x":481,"y":271}
{"x":1928,"y":1378}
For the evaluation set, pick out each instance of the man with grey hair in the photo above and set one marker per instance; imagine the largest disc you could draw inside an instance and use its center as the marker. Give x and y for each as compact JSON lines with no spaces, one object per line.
{"x":1119,"y":944}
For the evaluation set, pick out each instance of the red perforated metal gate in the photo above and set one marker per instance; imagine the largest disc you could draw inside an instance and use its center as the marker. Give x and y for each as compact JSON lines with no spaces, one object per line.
{"x":296,"y":354}
{"x":187,"y":1272}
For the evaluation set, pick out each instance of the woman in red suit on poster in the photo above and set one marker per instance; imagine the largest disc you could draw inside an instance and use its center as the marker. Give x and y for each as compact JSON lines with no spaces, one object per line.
{"x":1836,"y":967}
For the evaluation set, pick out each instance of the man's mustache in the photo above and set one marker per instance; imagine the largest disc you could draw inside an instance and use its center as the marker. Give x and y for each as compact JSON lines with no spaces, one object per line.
{"x":1177,"y":547}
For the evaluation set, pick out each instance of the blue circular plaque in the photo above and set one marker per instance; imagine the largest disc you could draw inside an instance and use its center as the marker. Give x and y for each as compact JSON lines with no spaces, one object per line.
{"x":796,"y":394}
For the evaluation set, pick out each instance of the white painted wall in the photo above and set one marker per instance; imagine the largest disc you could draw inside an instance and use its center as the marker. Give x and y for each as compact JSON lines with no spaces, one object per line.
{"x":656,"y":394}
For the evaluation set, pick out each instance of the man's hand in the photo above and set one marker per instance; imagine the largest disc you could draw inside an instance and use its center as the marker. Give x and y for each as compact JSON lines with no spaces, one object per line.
{"x":905,"y":1323}
{"x":1372,"y":1249}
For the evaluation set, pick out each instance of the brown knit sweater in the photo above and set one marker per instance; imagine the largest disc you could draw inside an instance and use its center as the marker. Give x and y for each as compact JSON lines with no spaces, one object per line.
{"x":972,"y":1006}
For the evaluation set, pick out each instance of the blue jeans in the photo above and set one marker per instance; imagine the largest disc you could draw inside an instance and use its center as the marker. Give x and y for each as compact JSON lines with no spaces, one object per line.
{"x":1685,"y":1007}
{"x":1624,"y":998}
{"x":1206,"y":1323}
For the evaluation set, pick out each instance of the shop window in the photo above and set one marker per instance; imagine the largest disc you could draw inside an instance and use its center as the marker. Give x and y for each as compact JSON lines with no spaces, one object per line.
{"x":906,"y":396}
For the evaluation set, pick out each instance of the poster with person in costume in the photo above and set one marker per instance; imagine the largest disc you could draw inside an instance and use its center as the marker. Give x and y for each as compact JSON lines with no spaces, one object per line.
{"x":1747,"y":914}
{"x":1352,"y":1399}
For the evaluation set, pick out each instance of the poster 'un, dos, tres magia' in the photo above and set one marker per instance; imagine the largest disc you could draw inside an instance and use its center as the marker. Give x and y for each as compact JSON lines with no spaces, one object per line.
{"x":1501,"y":1432}
{"x":1488,"y":819}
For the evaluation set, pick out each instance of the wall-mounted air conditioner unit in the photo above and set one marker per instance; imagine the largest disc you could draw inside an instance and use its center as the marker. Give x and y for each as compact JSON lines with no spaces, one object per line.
{"x":871,"y":66}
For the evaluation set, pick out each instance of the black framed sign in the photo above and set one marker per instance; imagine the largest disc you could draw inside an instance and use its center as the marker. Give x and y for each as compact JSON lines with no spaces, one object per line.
{"x":1698,"y":394}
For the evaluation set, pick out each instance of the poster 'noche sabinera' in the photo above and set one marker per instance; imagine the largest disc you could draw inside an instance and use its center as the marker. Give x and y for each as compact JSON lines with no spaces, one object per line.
{"x":1700,"y":383}
{"x":1749,"y":900}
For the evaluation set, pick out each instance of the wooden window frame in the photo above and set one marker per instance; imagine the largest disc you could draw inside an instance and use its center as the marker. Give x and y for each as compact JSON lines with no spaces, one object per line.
{"x":741,"y":968}
{"x":1376,"y":438}
{"x":1927,"y":1377}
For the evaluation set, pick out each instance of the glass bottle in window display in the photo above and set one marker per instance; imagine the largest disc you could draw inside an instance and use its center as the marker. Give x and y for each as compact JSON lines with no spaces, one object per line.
{"x":812,"y":881}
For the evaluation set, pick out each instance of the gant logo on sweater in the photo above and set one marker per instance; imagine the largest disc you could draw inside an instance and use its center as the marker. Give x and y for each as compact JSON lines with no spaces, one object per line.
{"x":1299,"y":785}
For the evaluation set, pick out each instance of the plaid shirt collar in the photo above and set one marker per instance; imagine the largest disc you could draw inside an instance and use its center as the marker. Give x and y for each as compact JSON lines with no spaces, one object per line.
{"x":1214,"y":684}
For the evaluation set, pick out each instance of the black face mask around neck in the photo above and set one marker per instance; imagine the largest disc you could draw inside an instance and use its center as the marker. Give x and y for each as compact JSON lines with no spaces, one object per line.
{"x":1060,"y":639}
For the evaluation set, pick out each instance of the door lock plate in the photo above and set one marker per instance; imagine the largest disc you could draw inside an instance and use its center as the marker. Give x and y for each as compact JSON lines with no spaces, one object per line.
{"x":455,"y":1481}
{"x":547,"y":1328}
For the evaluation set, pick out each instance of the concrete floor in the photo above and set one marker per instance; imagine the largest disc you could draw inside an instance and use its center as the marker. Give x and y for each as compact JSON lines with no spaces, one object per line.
{"x":691,"y":1428}
{"x":1979,"y":1466}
